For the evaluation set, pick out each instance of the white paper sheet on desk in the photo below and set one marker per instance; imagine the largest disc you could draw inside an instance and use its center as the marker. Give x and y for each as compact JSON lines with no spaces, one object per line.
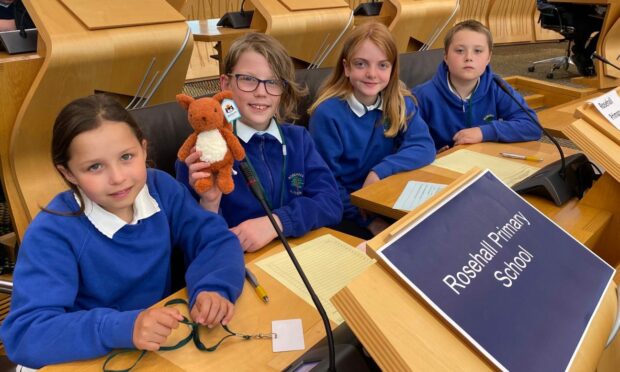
{"x":329,"y":263}
{"x":509,"y":171}
{"x":416,"y":193}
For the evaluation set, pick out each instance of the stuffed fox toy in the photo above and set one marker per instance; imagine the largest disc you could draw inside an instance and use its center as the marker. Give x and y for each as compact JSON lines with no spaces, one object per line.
{"x":214,"y":138}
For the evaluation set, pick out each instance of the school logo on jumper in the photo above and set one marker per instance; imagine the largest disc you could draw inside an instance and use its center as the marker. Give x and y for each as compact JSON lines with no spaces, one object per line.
{"x":296,"y":180}
{"x":488,"y":117}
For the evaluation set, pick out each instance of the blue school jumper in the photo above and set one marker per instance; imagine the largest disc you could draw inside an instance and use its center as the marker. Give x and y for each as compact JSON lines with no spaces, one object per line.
{"x":353,"y":145}
{"x":300,"y":189}
{"x":489,"y":107}
{"x":77,"y":292}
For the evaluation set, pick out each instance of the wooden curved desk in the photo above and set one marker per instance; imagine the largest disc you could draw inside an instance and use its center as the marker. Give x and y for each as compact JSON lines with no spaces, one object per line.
{"x":584,"y":222}
{"x":82,"y":57}
{"x":426,"y":15}
{"x":16,"y":76}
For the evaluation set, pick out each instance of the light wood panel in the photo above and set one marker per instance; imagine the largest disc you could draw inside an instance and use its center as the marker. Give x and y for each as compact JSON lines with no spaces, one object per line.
{"x":605,"y":194}
{"x":121,"y":13}
{"x":511,"y":21}
{"x":79,"y":62}
{"x":303,"y":33}
{"x":609,"y":45}
{"x":399,"y":330}
{"x":426,"y":15}
{"x":16,"y":76}
{"x":474,"y":9}
{"x":554,"y":94}
{"x":201,"y":64}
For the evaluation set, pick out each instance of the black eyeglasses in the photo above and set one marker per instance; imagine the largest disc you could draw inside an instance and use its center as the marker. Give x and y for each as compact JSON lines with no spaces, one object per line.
{"x":248,"y":83}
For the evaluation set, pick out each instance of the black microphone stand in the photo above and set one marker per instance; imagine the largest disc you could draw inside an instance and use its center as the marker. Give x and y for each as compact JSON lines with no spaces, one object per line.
{"x":350,"y":360}
{"x":604,"y":60}
{"x":560,"y":180}
{"x":368,"y":9}
{"x":240,"y":19}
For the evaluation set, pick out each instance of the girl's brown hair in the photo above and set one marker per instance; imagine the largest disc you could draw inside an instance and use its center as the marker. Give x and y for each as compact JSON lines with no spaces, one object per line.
{"x":83,"y":115}
{"x":338,"y":84}
{"x":279,"y":62}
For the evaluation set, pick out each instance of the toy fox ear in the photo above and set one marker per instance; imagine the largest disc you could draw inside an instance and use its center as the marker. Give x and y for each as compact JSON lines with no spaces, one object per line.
{"x":223,"y":95}
{"x":184,"y":100}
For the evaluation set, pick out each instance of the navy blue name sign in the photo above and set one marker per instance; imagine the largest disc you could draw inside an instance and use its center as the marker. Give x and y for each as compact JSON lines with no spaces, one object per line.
{"x":516,"y":285}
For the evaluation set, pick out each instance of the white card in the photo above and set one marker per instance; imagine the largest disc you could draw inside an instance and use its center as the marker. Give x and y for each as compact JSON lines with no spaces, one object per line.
{"x":609,"y":106}
{"x":289,"y":335}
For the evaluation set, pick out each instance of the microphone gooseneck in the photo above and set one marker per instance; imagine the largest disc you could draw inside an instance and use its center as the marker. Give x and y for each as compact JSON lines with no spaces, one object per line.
{"x":252,"y":181}
{"x":503,"y":87}
{"x":604,"y":60}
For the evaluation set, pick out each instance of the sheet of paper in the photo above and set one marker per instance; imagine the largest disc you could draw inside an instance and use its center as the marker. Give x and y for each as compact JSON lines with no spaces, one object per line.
{"x":509,"y":171}
{"x":329,"y":263}
{"x":416,"y":193}
{"x":289,"y":335}
{"x":609,"y":106}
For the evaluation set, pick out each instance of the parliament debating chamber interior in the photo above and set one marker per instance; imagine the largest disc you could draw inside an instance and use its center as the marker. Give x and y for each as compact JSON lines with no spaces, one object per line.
{"x":145,"y":52}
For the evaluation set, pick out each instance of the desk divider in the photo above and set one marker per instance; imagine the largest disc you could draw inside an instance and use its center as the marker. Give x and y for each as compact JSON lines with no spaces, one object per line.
{"x":402,"y":332}
{"x":122,"y":13}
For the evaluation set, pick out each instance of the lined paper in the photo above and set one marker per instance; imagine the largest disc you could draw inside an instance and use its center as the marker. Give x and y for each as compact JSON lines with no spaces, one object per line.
{"x":416,"y":193}
{"x":509,"y":171}
{"x":329,"y":263}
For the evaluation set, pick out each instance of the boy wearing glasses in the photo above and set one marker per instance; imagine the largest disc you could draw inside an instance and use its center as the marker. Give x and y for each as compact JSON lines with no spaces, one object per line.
{"x":298,"y":185}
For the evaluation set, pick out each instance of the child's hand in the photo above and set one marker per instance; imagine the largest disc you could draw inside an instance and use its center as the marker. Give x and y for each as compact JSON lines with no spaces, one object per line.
{"x":446,"y":147}
{"x":197,"y":169}
{"x":377,"y":225}
{"x":153,"y":326}
{"x":256,"y":233}
{"x":211,"y":309}
{"x":371,"y":178}
{"x":468,"y":135}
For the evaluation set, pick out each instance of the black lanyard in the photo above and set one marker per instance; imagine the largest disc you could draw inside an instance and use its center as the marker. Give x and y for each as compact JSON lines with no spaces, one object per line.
{"x":283,"y":176}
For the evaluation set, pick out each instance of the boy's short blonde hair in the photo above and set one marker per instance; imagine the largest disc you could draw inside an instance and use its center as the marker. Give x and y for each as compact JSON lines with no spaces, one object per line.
{"x":469,"y":24}
{"x":280,"y":63}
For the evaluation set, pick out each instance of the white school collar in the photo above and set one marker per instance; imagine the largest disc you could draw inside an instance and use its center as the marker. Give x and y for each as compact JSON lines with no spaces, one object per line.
{"x":360,"y":109}
{"x":456,"y":93}
{"x":108,"y":223}
{"x":245,"y":132}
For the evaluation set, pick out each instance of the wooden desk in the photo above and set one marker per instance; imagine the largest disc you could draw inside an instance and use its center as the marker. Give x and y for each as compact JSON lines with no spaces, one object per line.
{"x":557,"y":118}
{"x":251,"y":316}
{"x":582,"y":222}
{"x":208,"y":31}
{"x":17,"y":72}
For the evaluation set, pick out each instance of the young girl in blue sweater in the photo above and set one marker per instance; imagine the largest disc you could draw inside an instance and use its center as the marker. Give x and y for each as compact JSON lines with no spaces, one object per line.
{"x":298,"y":184}
{"x":94,"y":260}
{"x":462,"y":104}
{"x":364,"y":121}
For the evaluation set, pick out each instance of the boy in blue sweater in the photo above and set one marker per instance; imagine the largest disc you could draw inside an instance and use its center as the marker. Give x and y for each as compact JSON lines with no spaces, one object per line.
{"x":94,"y":260}
{"x":462,"y":104}
{"x":298,"y":184}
